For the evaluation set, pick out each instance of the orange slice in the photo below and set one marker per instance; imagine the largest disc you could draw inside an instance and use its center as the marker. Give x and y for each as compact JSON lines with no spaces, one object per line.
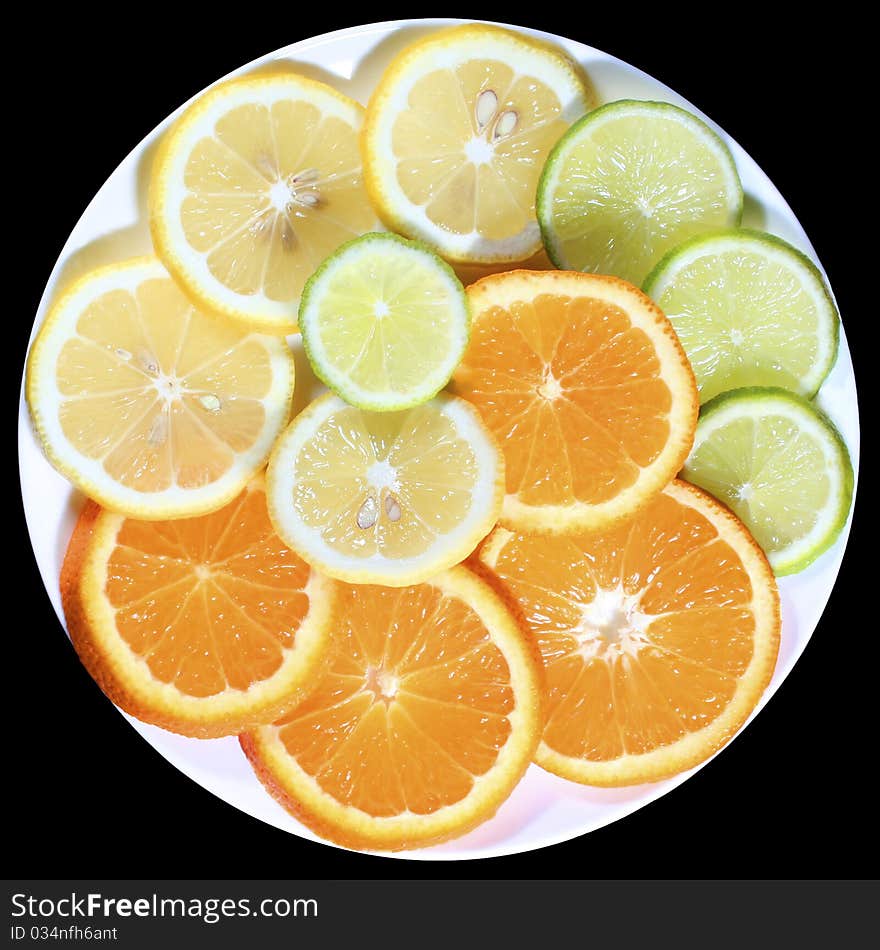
{"x":204,"y":626}
{"x":658,"y":637}
{"x":583,"y":382}
{"x":423,"y":724}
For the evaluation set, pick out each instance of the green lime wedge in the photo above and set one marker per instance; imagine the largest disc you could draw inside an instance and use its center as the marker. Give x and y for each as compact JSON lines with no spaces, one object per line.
{"x":629,"y":182}
{"x":750,"y":310}
{"x":384,"y":322}
{"x":778,"y":462}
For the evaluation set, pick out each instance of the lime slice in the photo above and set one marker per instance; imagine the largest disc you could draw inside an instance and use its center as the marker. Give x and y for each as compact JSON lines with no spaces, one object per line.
{"x":778,"y":462}
{"x":629,"y":182}
{"x":384,"y":322}
{"x":749,"y":310}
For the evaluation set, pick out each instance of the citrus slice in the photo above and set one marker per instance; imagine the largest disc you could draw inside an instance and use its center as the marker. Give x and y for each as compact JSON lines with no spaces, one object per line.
{"x":205,"y":626}
{"x":253,"y":186}
{"x":658,"y":637}
{"x":584,"y":384}
{"x":780,"y":464}
{"x":147,"y":404}
{"x":424,"y":723}
{"x":385,"y":498}
{"x":456,"y":134}
{"x":384,"y":322}
{"x":629,"y":182}
{"x":749,"y":310}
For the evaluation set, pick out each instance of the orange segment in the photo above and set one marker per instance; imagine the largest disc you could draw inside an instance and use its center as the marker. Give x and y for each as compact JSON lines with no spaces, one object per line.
{"x":422,"y":725}
{"x":658,"y":636}
{"x":205,"y":626}
{"x":583,"y":382}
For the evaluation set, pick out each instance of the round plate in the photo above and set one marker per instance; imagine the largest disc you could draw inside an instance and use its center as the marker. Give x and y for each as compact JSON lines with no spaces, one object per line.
{"x":543,"y":809}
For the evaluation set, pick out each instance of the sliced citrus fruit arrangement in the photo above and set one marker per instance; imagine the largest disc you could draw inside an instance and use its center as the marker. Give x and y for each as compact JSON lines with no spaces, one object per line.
{"x":658,"y":637}
{"x":389,"y":498}
{"x":427,"y":590}
{"x":252,"y":187}
{"x":205,"y":626}
{"x":148,"y":405}
{"x":629,"y":182}
{"x":384,"y":322}
{"x":781,"y":465}
{"x":584,"y":384}
{"x":457,"y":132}
{"x":749,"y":310}
{"x":425,"y":721}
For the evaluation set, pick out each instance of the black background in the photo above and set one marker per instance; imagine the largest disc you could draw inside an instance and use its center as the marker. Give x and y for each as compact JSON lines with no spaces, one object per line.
{"x":790,"y":798}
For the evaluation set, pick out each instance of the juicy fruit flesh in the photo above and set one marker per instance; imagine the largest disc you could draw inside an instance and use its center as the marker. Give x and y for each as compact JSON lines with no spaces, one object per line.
{"x":744,"y":320}
{"x":770,"y":472}
{"x":386,"y":317}
{"x":385,"y":484}
{"x":271,"y":193}
{"x":631,"y":190}
{"x":644,"y":629}
{"x":572,"y":391}
{"x":210,"y":603}
{"x":413,"y":708}
{"x":471,"y":145}
{"x":158,"y":392}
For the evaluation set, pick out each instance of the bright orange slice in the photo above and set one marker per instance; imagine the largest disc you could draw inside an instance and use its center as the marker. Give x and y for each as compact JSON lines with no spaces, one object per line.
{"x":204,"y":626}
{"x":583,"y":382}
{"x":423,"y":725}
{"x":658,"y":637}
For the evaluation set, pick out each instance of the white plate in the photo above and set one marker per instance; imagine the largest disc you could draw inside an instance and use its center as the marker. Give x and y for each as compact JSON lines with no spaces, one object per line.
{"x":543,"y":809}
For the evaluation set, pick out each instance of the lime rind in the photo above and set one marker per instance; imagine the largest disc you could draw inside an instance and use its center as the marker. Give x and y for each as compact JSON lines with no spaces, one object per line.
{"x":402,"y":356}
{"x":757,"y":402}
{"x":550,"y":176}
{"x":782,"y":253}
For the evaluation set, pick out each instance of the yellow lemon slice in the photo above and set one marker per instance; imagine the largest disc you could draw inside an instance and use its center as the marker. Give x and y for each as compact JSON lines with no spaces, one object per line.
{"x":386,"y":498}
{"x":457,"y":132}
{"x":148,"y":405}
{"x":254,"y":185}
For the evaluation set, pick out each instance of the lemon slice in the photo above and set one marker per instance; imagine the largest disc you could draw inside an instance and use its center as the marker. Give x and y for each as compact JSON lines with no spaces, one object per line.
{"x":384,"y":322}
{"x":253,"y":186}
{"x":148,"y":405}
{"x":386,"y":498}
{"x":629,"y":182}
{"x":457,"y":132}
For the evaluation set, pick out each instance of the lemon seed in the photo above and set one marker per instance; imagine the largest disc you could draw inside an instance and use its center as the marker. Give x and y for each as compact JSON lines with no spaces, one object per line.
{"x":487,"y":103}
{"x":392,"y":508}
{"x":506,"y":124}
{"x":368,"y":513}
